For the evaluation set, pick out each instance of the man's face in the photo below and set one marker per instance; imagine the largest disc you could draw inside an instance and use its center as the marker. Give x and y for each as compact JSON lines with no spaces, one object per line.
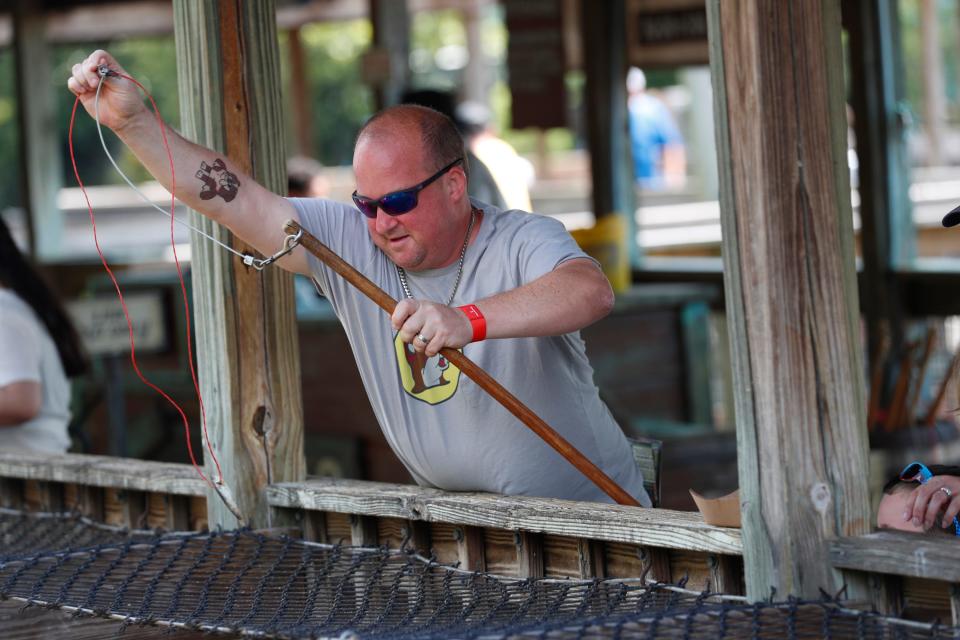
{"x":422,"y":238}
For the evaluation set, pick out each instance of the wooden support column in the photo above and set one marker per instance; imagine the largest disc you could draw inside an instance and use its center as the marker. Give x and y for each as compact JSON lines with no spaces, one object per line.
{"x":470,"y":555}
{"x":391,"y":39}
{"x":604,"y":50}
{"x":228,"y":65}
{"x":40,"y":166}
{"x":476,"y":75}
{"x":530,"y":561}
{"x":934,"y":94}
{"x":790,"y":288}
{"x":887,"y":237}
{"x":299,"y":88}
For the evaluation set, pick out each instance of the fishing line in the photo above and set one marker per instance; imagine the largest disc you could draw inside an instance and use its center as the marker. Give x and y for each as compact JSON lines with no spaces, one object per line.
{"x":219,"y":487}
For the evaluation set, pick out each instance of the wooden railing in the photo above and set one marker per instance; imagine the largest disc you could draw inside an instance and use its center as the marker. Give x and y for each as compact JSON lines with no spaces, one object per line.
{"x":120,"y":491}
{"x":909,"y":574}
{"x":518,"y":535}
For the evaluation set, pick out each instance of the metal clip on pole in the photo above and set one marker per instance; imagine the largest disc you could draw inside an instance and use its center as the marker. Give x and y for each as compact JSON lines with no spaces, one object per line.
{"x":289,"y":244}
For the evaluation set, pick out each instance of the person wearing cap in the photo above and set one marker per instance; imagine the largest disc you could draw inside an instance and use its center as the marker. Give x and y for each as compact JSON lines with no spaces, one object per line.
{"x":511,"y":289}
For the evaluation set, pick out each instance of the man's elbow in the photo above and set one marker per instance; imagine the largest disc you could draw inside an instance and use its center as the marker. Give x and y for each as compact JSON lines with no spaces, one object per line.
{"x":605,"y":298}
{"x":601,"y":296}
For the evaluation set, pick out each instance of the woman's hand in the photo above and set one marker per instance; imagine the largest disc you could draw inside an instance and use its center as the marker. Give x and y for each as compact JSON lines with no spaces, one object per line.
{"x":939,"y":493}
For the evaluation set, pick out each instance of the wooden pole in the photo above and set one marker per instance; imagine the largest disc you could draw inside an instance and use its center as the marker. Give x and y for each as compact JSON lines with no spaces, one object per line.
{"x":790,"y":288}
{"x":229,"y":72}
{"x":877,"y":96}
{"x":604,"y":48}
{"x":39,"y":153}
{"x":483,"y":379}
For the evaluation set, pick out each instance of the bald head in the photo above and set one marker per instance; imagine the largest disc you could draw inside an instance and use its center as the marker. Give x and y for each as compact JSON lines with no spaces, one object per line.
{"x":409,"y":124}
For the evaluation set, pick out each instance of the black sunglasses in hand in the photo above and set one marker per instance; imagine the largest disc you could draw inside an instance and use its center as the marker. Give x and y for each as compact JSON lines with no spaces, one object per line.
{"x":396,"y":203}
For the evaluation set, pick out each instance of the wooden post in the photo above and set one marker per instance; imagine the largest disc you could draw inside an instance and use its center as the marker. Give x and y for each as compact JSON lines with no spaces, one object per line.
{"x":40,"y":167}
{"x":604,"y":47}
{"x":391,"y":39}
{"x":931,"y":71}
{"x":299,"y":88}
{"x":228,"y":65}
{"x":791,"y":292}
{"x":886,"y":232}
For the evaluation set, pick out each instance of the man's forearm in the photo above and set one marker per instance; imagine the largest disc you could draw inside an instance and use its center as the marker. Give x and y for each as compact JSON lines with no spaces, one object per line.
{"x":571,"y":297}
{"x":210,"y":183}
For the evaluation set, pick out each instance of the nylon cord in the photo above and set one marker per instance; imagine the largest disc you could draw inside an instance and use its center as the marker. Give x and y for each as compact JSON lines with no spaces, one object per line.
{"x":232,"y":507}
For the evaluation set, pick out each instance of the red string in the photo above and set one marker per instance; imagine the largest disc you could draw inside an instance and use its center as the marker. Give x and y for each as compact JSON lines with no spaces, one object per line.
{"x":183,"y":289}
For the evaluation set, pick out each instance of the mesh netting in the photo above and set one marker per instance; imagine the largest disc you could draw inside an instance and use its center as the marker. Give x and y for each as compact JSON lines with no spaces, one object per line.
{"x":244,"y":582}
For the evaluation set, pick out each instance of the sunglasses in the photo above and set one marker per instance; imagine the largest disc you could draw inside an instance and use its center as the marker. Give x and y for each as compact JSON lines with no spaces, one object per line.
{"x":918,"y":472}
{"x":396,"y":203}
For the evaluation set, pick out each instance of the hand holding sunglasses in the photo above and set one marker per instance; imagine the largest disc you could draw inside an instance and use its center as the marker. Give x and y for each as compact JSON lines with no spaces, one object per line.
{"x":399,"y":202}
{"x":942,"y":496}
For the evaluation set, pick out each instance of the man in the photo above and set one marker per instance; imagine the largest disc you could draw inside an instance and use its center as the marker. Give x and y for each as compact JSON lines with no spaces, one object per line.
{"x":659,"y":157}
{"x":520,"y":278}
{"x":920,"y":498}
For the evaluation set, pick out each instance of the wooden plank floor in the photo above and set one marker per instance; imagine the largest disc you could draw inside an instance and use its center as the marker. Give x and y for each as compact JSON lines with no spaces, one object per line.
{"x":36,"y":623}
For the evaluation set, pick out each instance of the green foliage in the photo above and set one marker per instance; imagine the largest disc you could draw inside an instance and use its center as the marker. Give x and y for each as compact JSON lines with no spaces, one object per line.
{"x":152,"y":62}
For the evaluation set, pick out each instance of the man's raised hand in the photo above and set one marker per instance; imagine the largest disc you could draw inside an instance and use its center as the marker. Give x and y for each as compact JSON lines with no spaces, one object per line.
{"x":120,"y":100}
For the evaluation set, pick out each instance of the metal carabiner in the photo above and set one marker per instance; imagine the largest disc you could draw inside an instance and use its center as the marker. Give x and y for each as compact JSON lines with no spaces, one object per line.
{"x":289,"y":244}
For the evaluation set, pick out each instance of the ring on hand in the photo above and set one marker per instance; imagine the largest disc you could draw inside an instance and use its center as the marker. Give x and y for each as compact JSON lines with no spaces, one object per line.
{"x":946,"y":491}
{"x":422,"y":338}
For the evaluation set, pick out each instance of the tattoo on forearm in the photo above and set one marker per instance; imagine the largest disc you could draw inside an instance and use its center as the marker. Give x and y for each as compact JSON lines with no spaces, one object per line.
{"x":217,"y":181}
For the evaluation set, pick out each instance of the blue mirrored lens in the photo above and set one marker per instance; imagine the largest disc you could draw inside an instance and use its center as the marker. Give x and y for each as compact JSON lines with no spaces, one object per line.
{"x":398,"y":202}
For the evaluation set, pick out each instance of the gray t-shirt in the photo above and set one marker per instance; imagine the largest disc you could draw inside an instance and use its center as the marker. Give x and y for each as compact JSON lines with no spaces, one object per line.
{"x":449,"y":432}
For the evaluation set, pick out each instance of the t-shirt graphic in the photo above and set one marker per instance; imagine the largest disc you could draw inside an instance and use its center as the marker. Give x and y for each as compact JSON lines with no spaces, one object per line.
{"x":431,"y":380}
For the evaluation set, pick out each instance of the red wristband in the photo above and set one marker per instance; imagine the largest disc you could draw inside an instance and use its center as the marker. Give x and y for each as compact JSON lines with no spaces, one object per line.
{"x":477,"y":321}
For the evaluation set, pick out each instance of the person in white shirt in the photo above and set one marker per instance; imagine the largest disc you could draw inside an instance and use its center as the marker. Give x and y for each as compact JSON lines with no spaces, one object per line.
{"x":39,"y":352}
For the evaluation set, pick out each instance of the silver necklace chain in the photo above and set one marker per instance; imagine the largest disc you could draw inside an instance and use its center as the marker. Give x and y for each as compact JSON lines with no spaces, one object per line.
{"x":463,"y":253}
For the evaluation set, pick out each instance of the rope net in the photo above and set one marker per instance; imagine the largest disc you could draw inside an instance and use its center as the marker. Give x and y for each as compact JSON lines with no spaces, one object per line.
{"x":279,"y":587}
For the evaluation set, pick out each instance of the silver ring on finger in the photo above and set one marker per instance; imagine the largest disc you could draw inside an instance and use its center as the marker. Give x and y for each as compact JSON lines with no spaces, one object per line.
{"x":946,"y":491}
{"x":422,"y":338}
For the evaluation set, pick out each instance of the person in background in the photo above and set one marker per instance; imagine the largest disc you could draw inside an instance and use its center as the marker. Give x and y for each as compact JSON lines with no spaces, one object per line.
{"x":305,"y":178}
{"x":920,"y":497}
{"x":39,"y":352}
{"x":659,"y":157}
{"x":482,"y":184}
{"x":513,"y":173}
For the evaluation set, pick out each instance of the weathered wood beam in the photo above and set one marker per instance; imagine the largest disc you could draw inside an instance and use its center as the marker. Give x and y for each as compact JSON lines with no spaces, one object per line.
{"x":228,"y":64}
{"x":790,"y":288}
{"x":899,"y":553}
{"x":103,"y":471}
{"x":653,"y":527}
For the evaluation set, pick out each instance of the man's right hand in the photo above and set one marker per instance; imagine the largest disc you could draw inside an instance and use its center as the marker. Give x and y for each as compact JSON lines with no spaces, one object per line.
{"x":120,"y":99}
